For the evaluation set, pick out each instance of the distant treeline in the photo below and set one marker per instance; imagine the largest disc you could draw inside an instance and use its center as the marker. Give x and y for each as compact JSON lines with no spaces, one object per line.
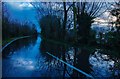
{"x":13,"y":29}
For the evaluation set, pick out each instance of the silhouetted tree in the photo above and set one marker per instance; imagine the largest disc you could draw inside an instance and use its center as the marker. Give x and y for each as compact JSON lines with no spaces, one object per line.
{"x":82,"y":14}
{"x":51,"y":29}
{"x":86,"y":12}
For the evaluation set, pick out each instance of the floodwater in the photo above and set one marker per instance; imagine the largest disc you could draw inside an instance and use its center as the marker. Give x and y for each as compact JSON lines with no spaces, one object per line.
{"x":28,"y":57}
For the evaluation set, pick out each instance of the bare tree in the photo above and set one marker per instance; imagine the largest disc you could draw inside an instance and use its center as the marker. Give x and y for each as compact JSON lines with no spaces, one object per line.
{"x":47,"y":8}
{"x":86,"y":12}
{"x":57,"y":9}
{"x":82,"y":14}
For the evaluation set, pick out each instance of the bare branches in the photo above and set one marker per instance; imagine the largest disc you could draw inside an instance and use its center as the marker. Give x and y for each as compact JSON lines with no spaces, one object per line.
{"x":69,"y":7}
{"x":91,"y":8}
{"x":38,"y":7}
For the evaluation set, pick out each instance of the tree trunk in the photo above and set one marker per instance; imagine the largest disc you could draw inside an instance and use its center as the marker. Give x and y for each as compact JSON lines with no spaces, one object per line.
{"x":64,"y":20}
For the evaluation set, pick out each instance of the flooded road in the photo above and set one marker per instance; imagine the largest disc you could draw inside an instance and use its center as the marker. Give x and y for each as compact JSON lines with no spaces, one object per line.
{"x":28,"y":58}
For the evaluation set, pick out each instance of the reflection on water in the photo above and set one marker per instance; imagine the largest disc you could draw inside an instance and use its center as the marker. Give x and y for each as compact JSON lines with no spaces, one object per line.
{"x":28,"y":58}
{"x":101,"y":64}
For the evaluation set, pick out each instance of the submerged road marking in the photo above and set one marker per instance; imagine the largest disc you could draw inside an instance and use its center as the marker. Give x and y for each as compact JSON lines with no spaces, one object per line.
{"x":88,"y":75}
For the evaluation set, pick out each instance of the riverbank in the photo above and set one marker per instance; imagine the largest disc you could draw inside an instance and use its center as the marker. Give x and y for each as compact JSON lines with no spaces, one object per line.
{"x":6,"y":42}
{"x":90,"y":47}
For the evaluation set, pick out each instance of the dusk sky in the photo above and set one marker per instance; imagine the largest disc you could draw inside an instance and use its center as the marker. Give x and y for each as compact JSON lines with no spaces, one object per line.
{"x":23,"y":12}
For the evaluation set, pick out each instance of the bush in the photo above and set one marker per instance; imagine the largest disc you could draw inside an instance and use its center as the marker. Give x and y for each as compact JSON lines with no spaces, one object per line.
{"x":50,"y":27}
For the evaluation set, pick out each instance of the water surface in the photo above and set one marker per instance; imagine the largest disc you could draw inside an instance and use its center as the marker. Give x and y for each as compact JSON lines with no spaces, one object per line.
{"x":28,"y":58}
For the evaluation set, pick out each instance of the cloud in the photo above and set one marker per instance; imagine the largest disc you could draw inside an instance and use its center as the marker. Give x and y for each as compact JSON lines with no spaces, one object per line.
{"x":20,"y":5}
{"x":25,"y":5}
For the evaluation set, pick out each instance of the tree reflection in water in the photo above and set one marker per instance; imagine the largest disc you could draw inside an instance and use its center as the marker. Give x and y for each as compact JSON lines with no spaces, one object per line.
{"x":103,"y":65}
{"x":29,"y":57}
{"x":74,"y":56}
{"x":96,"y":64}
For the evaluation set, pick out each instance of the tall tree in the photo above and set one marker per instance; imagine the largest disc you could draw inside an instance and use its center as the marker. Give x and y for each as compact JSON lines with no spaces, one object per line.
{"x":65,"y":17}
{"x":54,"y":9}
{"x":86,"y":12}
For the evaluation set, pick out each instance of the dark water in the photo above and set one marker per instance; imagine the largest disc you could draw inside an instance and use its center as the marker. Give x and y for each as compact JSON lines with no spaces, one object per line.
{"x":28,"y":58}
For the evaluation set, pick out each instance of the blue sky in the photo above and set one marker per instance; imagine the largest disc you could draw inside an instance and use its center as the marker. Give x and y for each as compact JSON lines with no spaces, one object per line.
{"x":23,"y":12}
